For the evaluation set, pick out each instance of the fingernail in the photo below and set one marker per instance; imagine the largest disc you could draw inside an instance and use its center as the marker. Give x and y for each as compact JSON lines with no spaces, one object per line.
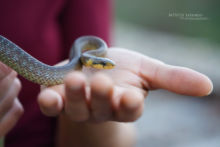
{"x":211,"y":89}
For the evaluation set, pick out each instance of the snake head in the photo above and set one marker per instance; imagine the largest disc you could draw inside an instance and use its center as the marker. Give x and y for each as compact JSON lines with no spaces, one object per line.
{"x":107,"y":64}
{"x":98,"y":63}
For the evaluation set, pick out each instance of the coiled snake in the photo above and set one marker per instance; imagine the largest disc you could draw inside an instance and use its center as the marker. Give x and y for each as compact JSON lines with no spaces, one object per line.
{"x":86,"y":50}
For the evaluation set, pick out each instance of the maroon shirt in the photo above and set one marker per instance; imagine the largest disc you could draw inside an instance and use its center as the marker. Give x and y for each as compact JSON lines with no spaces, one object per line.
{"x":46,"y":30}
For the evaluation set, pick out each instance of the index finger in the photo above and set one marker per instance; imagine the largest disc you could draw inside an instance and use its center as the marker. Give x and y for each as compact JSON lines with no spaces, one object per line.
{"x":180,"y":80}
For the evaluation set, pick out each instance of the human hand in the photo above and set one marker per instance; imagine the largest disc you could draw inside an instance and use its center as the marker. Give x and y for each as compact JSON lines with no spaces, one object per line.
{"x":10,"y":107}
{"x":118,"y":94}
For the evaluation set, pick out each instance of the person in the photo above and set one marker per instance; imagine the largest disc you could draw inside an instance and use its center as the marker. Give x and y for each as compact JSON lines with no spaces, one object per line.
{"x":87,"y":109}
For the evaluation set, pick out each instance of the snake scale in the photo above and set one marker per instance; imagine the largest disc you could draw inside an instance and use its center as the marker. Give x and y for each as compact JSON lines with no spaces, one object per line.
{"x":86,"y":50}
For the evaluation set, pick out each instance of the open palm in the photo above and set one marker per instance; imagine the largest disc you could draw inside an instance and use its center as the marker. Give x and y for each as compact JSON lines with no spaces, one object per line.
{"x":118,"y":94}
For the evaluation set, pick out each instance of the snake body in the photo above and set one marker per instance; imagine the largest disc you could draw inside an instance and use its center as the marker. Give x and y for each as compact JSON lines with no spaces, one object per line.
{"x":86,"y":50}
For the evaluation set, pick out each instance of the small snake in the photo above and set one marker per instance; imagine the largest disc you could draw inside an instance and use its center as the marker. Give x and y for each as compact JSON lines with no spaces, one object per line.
{"x":87,"y":50}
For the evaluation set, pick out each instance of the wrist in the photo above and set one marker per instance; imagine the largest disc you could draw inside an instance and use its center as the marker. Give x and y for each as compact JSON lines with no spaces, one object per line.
{"x":81,"y":133}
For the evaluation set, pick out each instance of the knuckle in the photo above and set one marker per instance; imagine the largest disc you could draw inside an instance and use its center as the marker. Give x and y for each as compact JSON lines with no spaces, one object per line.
{"x":4,"y":70}
{"x":9,"y":84}
{"x":11,"y":95}
{"x":5,"y":106}
{"x":18,"y":110}
{"x":79,"y":115}
{"x":5,"y":109}
{"x":17,"y":84}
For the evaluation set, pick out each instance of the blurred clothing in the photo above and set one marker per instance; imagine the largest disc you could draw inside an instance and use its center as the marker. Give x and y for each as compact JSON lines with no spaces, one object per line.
{"x":46,"y":29}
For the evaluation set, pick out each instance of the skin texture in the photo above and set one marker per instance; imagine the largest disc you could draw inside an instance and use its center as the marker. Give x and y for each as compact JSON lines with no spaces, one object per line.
{"x":115,"y":95}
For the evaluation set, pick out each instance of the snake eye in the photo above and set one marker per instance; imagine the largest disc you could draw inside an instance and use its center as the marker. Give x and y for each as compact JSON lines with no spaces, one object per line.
{"x":108,"y":64}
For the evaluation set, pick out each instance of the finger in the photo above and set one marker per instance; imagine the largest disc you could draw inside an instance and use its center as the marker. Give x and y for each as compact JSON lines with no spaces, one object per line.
{"x":4,"y":70}
{"x":50,"y":102}
{"x":75,"y":102}
{"x":7,"y":101}
{"x":5,"y":83}
{"x":176,"y":79}
{"x":11,"y":117}
{"x":101,"y":94}
{"x":130,"y":107}
{"x":50,"y":99}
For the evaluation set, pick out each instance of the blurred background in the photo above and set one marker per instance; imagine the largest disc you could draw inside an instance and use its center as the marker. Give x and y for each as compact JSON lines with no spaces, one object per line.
{"x":183,"y":33}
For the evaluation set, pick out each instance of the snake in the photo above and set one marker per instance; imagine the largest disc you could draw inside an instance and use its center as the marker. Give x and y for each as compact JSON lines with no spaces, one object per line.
{"x":89,"y":51}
